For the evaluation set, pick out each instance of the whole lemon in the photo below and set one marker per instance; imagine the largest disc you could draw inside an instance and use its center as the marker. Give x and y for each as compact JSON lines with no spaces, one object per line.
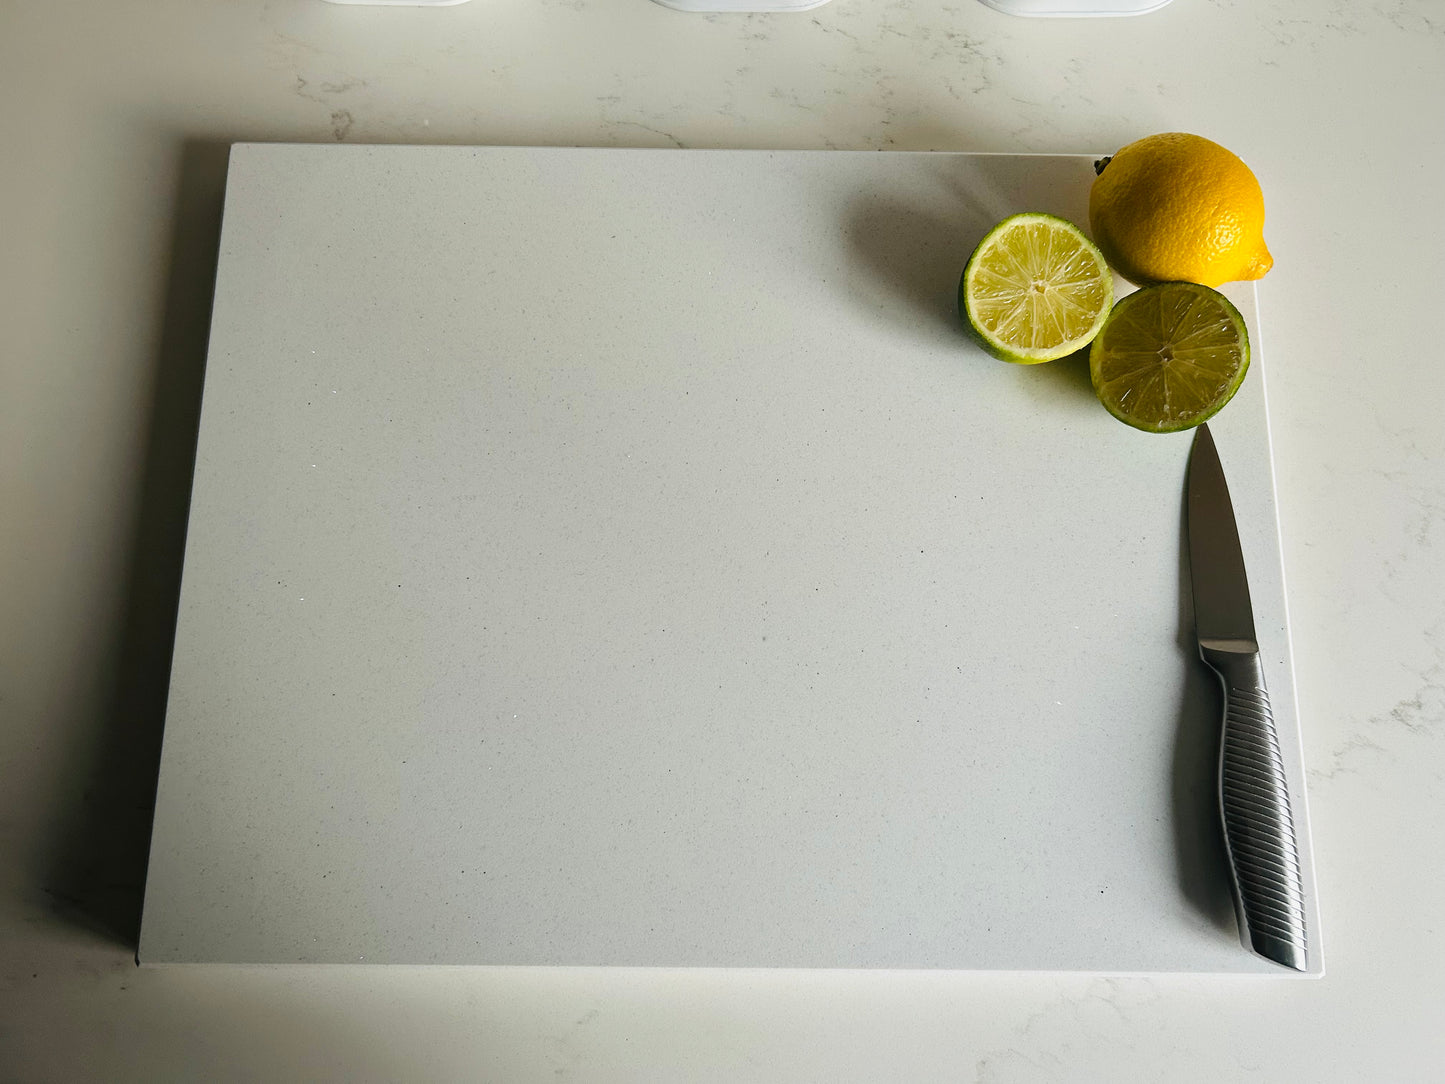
{"x":1176,"y":207}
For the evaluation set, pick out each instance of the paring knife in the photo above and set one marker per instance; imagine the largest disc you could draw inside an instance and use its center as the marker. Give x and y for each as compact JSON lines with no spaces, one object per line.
{"x":1253,"y":792}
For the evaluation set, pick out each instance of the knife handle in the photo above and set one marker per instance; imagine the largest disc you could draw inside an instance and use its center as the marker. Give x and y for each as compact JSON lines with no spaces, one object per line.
{"x":1254,"y":803}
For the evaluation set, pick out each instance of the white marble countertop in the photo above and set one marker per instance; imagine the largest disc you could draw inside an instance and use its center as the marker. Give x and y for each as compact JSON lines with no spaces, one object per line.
{"x":115,"y":119}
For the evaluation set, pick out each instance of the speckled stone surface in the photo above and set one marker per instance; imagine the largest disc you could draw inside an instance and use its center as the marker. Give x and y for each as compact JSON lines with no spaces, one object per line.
{"x":624,"y":557}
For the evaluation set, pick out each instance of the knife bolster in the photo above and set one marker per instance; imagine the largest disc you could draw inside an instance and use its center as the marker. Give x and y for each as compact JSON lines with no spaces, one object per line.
{"x":1229,"y":656}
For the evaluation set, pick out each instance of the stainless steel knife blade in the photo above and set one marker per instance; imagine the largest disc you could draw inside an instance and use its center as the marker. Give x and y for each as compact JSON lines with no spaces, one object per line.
{"x":1222,"y":611}
{"x":1254,"y":797}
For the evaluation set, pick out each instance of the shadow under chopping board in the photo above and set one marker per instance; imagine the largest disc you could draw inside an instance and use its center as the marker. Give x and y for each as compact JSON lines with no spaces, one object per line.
{"x":95,"y":874}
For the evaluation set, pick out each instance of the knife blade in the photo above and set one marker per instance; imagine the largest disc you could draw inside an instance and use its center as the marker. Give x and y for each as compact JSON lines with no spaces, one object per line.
{"x":1254,"y":802}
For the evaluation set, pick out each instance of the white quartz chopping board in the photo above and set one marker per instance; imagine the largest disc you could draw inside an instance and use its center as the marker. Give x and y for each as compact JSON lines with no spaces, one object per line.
{"x":612,"y":557}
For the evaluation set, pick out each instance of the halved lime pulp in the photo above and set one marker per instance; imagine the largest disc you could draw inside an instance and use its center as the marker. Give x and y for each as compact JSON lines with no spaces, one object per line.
{"x":1035,"y":289}
{"x":1169,"y":357}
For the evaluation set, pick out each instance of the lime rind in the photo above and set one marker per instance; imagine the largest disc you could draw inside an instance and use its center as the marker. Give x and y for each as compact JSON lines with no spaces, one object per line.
{"x":1035,"y":289}
{"x":1169,"y":357}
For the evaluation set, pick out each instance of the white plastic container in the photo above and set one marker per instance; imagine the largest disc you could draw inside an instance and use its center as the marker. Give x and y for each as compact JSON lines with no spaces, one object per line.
{"x":1075,"y":8}
{"x":1031,"y":8}
{"x":404,"y":3}
{"x":742,"y":5}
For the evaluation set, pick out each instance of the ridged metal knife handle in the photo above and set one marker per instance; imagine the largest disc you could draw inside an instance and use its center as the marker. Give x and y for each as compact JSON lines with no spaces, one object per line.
{"x":1258,"y":826}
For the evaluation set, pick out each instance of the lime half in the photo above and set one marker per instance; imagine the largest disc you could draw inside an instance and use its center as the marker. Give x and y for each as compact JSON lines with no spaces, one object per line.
{"x":1035,"y":289}
{"x":1169,"y":357}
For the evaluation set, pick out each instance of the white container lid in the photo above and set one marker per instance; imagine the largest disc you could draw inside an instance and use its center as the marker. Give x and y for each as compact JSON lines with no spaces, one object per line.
{"x":1075,"y":8}
{"x":742,"y":5}
{"x":403,"y":3}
